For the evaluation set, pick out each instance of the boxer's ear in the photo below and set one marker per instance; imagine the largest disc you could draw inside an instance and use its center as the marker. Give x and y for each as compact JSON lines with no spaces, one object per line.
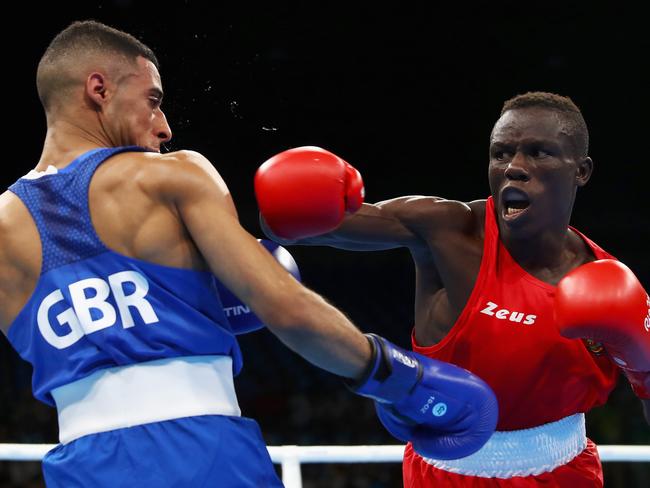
{"x":96,"y":89}
{"x":584,"y":169}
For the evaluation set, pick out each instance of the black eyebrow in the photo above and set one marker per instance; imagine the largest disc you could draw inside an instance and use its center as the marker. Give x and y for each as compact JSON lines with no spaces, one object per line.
{"x":157,"y":92}
{"x":500,"y":144}
{"x":526,"y":142}
{"x":546,"y":144}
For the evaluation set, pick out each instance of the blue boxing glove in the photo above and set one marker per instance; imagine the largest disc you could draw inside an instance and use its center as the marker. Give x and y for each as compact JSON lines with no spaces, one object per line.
{"x":445,"y":411}
{"x":240,"y":316}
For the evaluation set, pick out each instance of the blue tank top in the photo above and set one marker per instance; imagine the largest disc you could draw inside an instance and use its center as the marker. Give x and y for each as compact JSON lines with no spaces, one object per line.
{"x":94,"y":308}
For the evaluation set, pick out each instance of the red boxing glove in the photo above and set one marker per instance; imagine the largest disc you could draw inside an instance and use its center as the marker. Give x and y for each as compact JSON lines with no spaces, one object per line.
{"x":604,"y":301}
{"x":306,"y":191}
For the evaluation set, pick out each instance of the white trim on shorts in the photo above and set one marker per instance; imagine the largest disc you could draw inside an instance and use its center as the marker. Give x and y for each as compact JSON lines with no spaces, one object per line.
{"x":523,"y":452}
{"x":153,"y":391}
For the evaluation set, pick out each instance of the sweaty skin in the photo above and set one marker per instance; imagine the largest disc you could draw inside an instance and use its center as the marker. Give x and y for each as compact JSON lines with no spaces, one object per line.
{"x":171,"y":209}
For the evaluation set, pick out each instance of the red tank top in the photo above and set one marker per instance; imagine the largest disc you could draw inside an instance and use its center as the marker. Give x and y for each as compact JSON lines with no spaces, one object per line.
{"x":507,"y":336}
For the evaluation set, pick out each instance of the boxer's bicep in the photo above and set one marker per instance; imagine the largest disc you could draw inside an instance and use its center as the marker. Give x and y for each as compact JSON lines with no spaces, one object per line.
{"x":234,"y":256}
{"x":373,"y":227}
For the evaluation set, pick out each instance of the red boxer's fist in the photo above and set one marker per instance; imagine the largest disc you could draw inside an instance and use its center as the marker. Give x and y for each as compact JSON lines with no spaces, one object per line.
{"x":306,"y":191}
{"x":604,"y":301}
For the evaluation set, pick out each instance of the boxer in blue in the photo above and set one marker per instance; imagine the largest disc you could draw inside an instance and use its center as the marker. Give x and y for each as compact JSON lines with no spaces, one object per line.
{"x":109,"y":254}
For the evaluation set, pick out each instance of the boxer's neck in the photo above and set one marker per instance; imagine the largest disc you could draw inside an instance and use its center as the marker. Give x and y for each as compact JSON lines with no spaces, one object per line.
{"x":66,"y":140}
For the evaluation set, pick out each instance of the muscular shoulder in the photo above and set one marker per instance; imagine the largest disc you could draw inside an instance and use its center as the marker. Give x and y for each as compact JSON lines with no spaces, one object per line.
{"x":169,"y":168}
{"x":428,"y":215}
{"x":170,"y":175}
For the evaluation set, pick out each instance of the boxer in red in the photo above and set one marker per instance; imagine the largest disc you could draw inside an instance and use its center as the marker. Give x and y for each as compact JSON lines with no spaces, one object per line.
{"x":504,"y":287}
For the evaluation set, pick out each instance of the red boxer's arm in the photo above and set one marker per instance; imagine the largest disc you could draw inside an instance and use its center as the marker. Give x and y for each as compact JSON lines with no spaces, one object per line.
{"x":413,"y":221}
{"x":301,"y":194}
{"x":373,"y":227}
{"x":604,"y":301}
{"x":399,"y":222}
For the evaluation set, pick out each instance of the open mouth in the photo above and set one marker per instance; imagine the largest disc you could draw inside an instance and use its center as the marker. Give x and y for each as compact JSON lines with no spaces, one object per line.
{"x":513,"y":208}
{"x":514,"y":203}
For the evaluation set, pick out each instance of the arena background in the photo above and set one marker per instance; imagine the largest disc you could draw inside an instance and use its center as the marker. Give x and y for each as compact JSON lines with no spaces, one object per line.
{"x":406,"y":92}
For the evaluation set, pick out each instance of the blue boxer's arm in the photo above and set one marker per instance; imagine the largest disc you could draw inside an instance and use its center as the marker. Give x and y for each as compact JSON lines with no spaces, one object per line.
{"x":445,"y":411}
{"x":241,"y":318}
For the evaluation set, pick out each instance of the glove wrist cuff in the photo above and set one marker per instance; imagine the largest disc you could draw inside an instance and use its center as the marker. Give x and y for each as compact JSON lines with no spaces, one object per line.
{"x":371,"y":369}
{"x":391,"y":374}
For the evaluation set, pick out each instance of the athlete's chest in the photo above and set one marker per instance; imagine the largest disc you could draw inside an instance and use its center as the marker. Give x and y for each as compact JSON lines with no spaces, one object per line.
{"x":513,"y":302}
{"x":497,"y":294}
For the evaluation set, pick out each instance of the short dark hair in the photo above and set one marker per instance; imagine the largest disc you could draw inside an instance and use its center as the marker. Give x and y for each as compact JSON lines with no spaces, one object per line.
{"x":570,"y":112}
{"x":81,"y":38}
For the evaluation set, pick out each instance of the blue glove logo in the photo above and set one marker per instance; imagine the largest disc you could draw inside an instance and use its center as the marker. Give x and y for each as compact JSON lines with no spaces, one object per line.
{"x":404,"y":359}
{"x":439,"y":409}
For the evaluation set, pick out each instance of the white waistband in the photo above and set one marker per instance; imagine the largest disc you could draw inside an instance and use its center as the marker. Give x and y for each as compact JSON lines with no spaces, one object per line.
{"x":154,"y":391}
{"x":523,"y":452}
